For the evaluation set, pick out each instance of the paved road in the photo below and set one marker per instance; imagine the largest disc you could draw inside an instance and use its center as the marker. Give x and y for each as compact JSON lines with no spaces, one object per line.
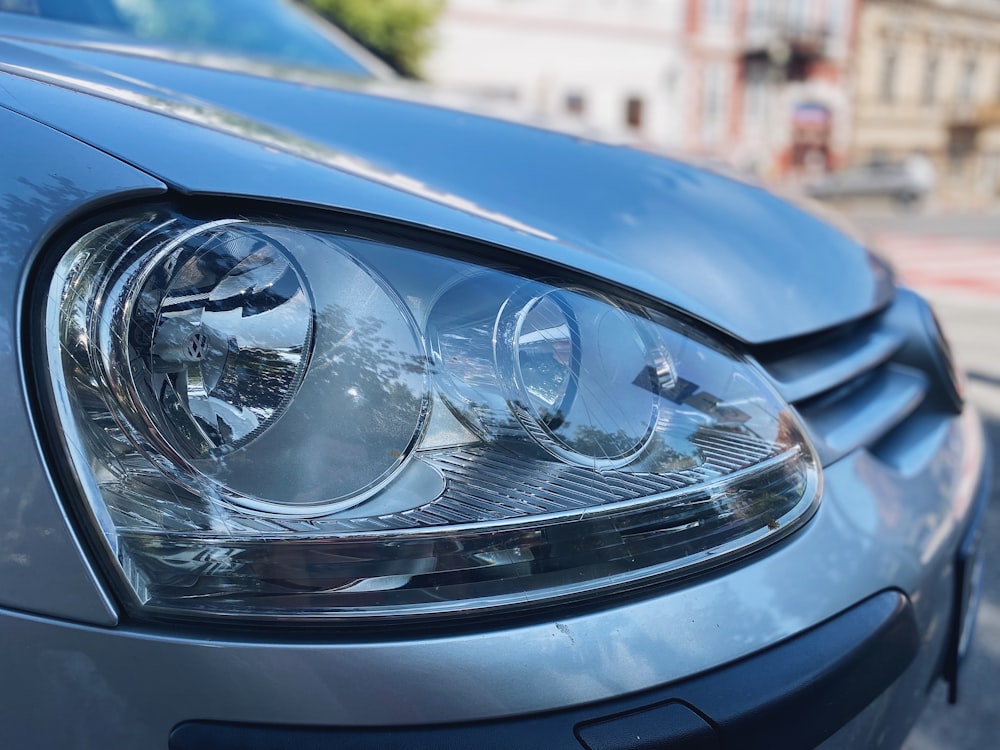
{"x":973,"y":324}
{"x":956,"y":262}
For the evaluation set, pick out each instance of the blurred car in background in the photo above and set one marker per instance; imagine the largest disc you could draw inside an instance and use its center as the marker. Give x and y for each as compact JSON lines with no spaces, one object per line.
{"x":903,"y":184}
{"x":340,"y":418}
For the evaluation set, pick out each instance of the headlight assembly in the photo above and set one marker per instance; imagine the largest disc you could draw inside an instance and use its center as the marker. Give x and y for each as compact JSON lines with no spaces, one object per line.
{"x":271,"y":421}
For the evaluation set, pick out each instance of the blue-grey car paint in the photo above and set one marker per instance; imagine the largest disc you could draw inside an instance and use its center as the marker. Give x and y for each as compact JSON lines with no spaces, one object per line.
{"x":127,"y":686}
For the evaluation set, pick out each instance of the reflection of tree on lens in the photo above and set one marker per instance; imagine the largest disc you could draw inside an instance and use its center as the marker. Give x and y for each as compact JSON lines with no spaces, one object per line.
{"x":370,"y":406}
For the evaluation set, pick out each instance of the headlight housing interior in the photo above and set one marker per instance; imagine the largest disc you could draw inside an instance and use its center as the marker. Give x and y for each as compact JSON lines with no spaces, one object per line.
{"x":278,"y":421}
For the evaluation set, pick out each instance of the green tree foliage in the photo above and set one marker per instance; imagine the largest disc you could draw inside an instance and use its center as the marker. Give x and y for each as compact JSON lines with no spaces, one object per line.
{"x":398,"y":31}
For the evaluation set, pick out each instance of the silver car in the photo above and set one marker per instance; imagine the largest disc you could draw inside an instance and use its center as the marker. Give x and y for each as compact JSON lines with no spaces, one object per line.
{"x":339,"y":417}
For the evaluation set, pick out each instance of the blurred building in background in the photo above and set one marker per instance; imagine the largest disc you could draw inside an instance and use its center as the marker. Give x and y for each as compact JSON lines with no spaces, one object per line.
{"x":795,"y":85}
{"x":761,"y":84}
{"x":928,"y":94}
{"x":899,"y":98}
{"x":616,"y":66}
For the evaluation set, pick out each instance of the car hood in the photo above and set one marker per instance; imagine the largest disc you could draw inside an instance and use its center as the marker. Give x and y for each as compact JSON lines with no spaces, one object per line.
{"x":721,"y":250}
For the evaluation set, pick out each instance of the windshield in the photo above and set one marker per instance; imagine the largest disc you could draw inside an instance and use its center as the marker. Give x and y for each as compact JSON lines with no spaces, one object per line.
{"x":274,"y":30}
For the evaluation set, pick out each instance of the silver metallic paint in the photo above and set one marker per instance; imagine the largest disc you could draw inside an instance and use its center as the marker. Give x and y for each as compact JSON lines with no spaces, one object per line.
{"x":637,"y":219}
{"x":45,"y":180}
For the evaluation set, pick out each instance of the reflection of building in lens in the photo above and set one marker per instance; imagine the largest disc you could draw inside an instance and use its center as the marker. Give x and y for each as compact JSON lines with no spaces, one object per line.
{"x":547,"y":360}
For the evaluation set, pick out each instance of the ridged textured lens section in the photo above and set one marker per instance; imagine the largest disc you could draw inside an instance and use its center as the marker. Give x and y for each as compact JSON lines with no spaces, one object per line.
{"x":484,"y":485}
{"x":421,"y":569}
{"x":275,"y":423}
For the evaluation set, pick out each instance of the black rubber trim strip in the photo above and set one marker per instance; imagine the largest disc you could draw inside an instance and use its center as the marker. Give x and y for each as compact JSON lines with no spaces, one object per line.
{"x":965,"y":602}
{"x":793,"y":695}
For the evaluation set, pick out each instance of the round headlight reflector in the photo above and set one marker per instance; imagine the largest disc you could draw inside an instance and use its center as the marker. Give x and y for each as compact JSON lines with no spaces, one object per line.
{"x":223,"y":364}
{"x":220,"y":335}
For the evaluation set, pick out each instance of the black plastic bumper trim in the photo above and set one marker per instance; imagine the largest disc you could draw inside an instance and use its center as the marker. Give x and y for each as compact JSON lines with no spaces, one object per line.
{"x":968,"y":588}
{"x":794,"y":694}
{"x":672,"y":725}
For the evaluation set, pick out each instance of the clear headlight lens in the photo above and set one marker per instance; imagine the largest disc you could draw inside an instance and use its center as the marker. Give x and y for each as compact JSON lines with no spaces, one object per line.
{"x":271,"y":421}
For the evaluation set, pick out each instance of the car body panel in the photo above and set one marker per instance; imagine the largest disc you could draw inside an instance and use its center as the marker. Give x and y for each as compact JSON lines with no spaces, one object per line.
{"x":43,"y":568}
{"x":637,"y":219}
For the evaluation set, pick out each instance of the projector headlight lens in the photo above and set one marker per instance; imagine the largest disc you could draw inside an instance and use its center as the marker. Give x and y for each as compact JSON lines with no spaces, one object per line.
{"x":583,"y":375}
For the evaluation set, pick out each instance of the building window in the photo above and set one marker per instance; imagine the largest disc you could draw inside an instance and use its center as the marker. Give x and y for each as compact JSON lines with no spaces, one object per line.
{"x":757,"y":11}
{"x":634,"y":112}
{"x":887,"y":90}
{"x":967,"y":87}
{"x":798,"y":15}
{"x":836,"y":10}
{"x":712,"y":100}
{"x":929,"y":93}
{"x":670,"y":76}
{"x":575,"y":103}
{"x":755,"y":95}
{"x":961,"y":149}
{"x":715,"y":12}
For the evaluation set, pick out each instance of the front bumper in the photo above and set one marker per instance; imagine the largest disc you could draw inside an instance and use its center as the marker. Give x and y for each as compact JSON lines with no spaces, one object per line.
{"x":816,"y":687}
{"x":798,"y":693}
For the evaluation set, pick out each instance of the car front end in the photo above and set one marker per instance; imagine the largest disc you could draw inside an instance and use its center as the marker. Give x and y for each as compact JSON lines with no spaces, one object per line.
{"x":338,"y":418}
